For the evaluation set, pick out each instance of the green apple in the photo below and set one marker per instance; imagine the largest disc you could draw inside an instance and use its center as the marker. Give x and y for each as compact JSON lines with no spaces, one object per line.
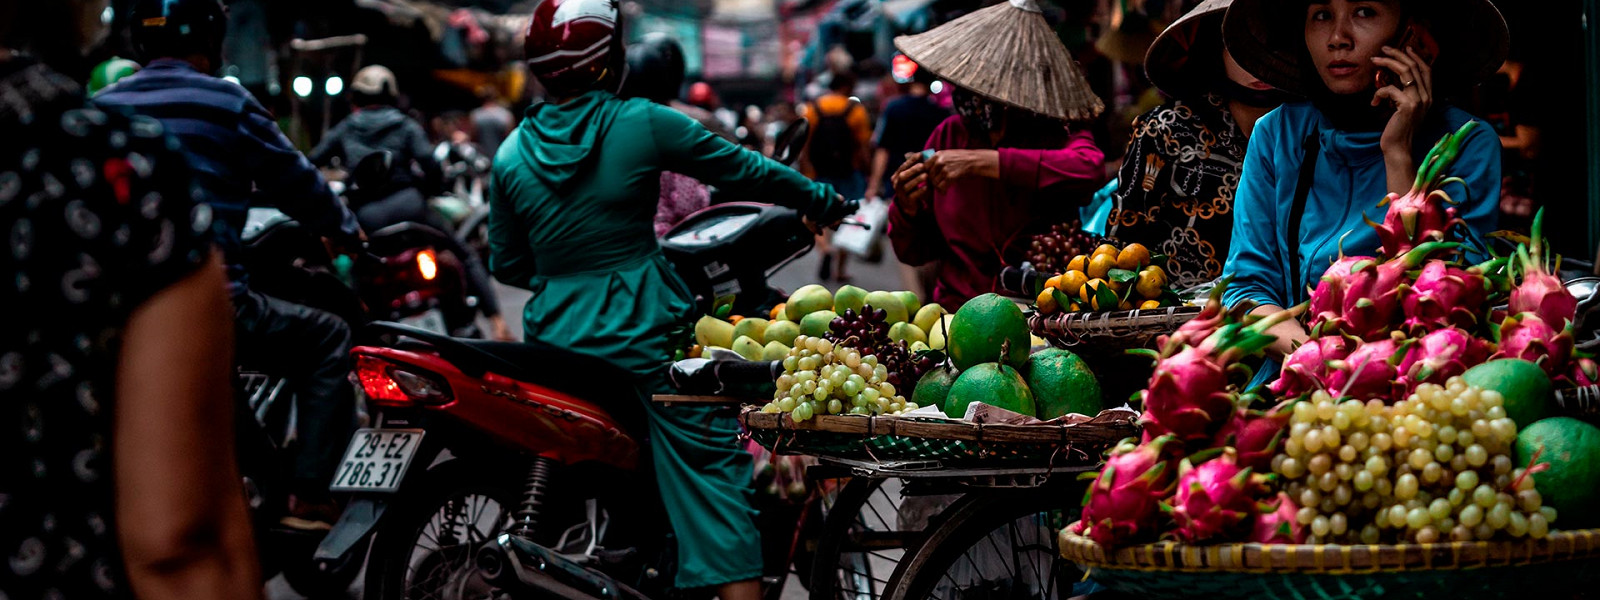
{"x":890,"y":304}
{"x":807,"y":300}
{"x":910,"y":301}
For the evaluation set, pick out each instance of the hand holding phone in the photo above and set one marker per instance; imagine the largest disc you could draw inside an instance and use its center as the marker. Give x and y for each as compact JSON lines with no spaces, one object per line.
{"x":1412,"y":38}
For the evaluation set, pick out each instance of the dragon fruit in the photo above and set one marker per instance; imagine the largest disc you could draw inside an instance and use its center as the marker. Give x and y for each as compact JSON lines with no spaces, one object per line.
{"x":1188,"y":392}
{"x":1327,"y":299}
{"x":1306,"y":369}
{"x":1540,"y":292}
{"x":1369,"y":372}
{"x":1444,"y":295}
{"x":1440,"y":355}
{"x":1122,"y":505}
{"x":1419,"y":215}
{"x":1370,"y":303}
{"x":1529,"y":337}
{"x":1211,"y":318}
{"x":1255,"y":435}
{"x":1584,"y":372}
{"x":1215,"y":498}
{"x":1277,"y":525}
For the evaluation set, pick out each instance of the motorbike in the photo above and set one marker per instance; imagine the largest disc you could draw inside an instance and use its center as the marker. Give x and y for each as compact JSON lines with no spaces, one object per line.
{"x":497,"y":469}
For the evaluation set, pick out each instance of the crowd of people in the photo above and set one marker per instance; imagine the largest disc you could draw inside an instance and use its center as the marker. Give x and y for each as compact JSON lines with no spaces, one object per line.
{"x":1282,"y":127}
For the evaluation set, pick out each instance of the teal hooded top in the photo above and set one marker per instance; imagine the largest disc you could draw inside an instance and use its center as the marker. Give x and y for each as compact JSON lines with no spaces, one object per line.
{"x":573,"y":197}
{"x":1350,"y":180}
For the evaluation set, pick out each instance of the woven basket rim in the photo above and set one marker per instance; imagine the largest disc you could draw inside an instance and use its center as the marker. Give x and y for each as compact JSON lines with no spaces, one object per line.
{"x":1106,"y":429}
{"x":1558,"y":546}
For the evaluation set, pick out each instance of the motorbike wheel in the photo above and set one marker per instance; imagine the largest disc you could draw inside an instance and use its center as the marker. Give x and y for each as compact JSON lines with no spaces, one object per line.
{"x":423,"y":549}
{"x":990,"y":544}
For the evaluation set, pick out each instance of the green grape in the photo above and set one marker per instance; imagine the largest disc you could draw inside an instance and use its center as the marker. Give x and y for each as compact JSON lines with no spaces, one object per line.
{"x":886,"y":388}
{"x":1377,"y":466}
{"x":1419,"y":458}
{"x":1444,"y":452}
{"x":1359,"y":440}
{"x":1370,"y":534}
{"x":1427,"y":535}
{"x":1383,"y":442}
{"x":1432,"y":472}
{"x":1348,"y":453}
{"x":1405,"y":487}
{"x":1345,"y":471}
{"x":1320,"y":526}
{"x":1305,"y":515}
{"x":808,"y":388}
{"x":1483,"y":496}
{"x":1456,"y":497}
{"x":1439,"y":509}
{"x":1529,"y":500}
{"x":1471,"y":515}
{"x":806,"y":375}
{"x":871,"y":394}
{"x":1498,"y":516}
{"x":790,"y":363}
{"x":1501,"y":464}
{"x":835,"y":407}
{"x":771,"y":407}
{"x":851,"y":388}
{"x":1310,"y":497}
{"x":1312,"y":441}
{"x":1397,"y":516}
{"x":1362,"y":480}
{"x":1338,"y":524}
{"x":1417,"y":518}
{"x":1517,"y":525}
{"x":1477,"y":455}
{"x":1319,"y":464}
{"x":1549,"y":513}
{"x":838,"y":378}
{"x":1293,"y":469}
{"x":1538,"y":526}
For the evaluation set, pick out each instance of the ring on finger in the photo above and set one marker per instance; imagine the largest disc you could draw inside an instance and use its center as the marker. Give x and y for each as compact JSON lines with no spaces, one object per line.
{"x":1407,"y":84}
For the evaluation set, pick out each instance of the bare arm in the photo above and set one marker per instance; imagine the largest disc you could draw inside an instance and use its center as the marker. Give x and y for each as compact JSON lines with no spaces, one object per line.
{"x":880,"y":164}
{"x":181,"y":516}
{"x":1290,"y":333}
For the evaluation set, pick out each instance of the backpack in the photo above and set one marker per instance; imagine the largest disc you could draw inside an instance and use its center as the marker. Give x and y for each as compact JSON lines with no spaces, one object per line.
{"x":833,"y":143}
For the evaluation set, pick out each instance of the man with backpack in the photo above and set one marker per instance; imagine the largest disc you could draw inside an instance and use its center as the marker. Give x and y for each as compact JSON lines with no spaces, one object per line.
{"x":836,"y":154}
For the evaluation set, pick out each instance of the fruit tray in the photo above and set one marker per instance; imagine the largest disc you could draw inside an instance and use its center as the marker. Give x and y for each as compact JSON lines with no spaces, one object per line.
{"x":1120,"y":329}
{"x":1557,"y":566}
{"x":884,"y":438}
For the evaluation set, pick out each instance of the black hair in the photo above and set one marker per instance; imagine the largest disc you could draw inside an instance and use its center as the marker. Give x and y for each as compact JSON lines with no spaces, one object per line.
{"x":843,"y":81}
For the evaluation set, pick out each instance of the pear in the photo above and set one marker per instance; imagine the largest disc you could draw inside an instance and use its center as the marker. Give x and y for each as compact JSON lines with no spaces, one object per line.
{"x":774,"y":351}
{"x":748,"y":348}
{"x":910,"y":301}
{"x":754,"y":328}
{"x":927,"y":316}
{"x":711,"y":331}
{"x":816,"y":324}
{"x":906,"y":332}
{"x":848,"y":296}
{"x":807,"y":300}
{"x":890,"y":304}
{"x":782,"y":332}
{"x":936,"y":334}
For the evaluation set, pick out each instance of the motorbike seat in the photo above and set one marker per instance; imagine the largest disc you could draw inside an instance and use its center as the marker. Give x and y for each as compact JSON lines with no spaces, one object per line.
{"x":582,"y":376}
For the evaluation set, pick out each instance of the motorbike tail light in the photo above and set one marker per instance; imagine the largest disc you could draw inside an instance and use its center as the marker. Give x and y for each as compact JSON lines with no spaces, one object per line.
{"x":390,"y":384}
{"x":427,"y":264}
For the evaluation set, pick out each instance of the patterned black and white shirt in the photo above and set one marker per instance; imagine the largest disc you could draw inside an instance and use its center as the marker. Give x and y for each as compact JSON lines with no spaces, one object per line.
{"x":97,"y":214}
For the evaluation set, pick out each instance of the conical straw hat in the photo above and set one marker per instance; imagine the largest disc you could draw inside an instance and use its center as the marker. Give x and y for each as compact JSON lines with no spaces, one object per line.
{"x":1008,"y":54}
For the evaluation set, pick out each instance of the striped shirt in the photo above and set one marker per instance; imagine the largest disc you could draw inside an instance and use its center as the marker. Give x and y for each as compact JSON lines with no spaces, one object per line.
{"x":236,"y":151}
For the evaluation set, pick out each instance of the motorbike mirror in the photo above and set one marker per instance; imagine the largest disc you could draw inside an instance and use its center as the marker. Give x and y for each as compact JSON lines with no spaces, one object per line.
{"x":786,"y":147}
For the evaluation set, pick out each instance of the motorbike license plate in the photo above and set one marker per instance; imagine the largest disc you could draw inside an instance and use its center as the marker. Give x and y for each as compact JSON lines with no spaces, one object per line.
{"x":376,"y":460}
{"x":432,"y":320}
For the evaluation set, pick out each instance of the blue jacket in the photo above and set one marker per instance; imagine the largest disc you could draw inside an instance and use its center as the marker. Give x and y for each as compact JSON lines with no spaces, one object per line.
{"x":1350,"y":181}
{"x":235,"y":149}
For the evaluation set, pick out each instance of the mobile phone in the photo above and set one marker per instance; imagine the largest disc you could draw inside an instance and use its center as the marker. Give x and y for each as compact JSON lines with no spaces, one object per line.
{"x":1419,"y":41}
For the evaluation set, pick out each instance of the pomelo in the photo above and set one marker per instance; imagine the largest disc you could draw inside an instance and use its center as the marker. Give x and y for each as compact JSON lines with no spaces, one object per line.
{"x":890,"y":304}
{"x":980,"y":328}
{"x":1061,"y":384}
{"x":993,"y":384}
{"x":1524,"y":385}
{"x":1572,"y":483}
{"x":934,"y":387}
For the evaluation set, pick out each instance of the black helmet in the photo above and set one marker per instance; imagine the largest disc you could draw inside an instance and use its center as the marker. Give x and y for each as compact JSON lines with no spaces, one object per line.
{"x":179,"y":28}
{"x":655,"y":69}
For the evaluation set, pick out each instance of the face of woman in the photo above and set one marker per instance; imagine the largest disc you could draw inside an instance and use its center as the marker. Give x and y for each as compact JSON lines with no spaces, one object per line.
{"x":1239,"y":75}
{"x":1344,"y":35}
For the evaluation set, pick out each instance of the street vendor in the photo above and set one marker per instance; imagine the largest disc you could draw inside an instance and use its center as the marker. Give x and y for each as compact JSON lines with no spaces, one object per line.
{"x":573,"y":195}
{"x":1378,"y":76}
{"x":1007,"y":158}
{"x":1176,"y":185}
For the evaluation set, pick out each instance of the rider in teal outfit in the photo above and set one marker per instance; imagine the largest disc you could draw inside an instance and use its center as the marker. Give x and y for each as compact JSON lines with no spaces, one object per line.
{"x":572,"y":202}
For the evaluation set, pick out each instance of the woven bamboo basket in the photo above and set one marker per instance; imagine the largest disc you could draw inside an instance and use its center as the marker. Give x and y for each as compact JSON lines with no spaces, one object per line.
{"x":1113,"y":330}
{"x":1561,"y":564}
{"x":886,"y":437}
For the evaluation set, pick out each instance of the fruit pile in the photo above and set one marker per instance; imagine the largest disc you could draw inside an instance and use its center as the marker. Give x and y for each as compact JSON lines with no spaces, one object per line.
{"x":1107,"y":279}
{"x":1405,"y":417}
{"x":989,"y":362}
{"x":1049,"y":252}
{"x":820,"y":378}
{"x":811,"y":310}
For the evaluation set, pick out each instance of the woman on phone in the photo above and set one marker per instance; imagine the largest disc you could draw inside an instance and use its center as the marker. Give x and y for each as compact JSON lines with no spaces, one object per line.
{"x":1377,"y":74}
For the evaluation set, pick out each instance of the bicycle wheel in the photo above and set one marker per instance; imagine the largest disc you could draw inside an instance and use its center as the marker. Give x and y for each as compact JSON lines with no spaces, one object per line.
{"x":860,"y":542}
{"x":991,"y":544}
